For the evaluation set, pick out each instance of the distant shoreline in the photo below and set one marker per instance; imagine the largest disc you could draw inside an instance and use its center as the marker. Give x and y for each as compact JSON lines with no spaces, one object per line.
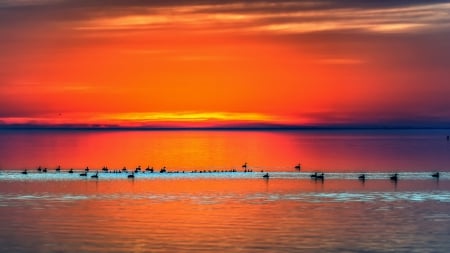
{"x":232,"y":128}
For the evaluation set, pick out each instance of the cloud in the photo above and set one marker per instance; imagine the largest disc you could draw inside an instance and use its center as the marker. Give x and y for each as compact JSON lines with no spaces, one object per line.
{"x":234,"y":16}
{"x":301,"y":17}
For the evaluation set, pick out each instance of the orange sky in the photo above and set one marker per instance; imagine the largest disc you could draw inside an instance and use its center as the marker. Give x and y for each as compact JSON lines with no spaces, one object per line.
{"x":180,"y":63}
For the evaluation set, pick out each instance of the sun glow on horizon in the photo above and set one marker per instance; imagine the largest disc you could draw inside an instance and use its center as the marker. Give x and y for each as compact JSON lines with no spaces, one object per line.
{"x":222,"y":63}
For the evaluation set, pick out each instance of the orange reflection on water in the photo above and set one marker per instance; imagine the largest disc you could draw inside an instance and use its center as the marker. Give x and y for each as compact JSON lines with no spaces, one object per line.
{"x":332,"y":151}
{"x":200,"y":214}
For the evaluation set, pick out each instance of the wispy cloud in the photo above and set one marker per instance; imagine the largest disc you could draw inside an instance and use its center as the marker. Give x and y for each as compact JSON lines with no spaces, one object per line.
{"x":277,"y":17}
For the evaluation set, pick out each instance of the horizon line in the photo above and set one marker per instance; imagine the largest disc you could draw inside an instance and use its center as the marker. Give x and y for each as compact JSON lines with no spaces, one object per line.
{"x":212,"y":128}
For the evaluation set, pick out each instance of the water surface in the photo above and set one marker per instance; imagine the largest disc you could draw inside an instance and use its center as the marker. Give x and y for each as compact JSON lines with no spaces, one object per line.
{"x":225,"y":211}
{"x":332,"y":151}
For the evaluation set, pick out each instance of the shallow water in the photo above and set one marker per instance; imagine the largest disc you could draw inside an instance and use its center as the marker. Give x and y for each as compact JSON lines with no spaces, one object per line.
{"x":225,"y":211}
{"x":226,"y":215}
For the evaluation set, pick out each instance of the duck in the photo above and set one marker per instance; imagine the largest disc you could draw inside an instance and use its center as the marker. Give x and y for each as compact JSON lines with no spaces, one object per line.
{"x":25,"y":172}
{"x":394,"y":177}
{"x":266,"y":176}
{"x":58,"y":169}
{"x":321,"y":176}
{"x":435,"y":175}
{"x":317,"y":176}
{"x":84,"y":174}
{"x":244,"y":166}
{"x":95,"y":176}
{"x":298,"y":166}
{"x":131,"y":175}
{"x":71,"y":171}
{"x":362,"y":177}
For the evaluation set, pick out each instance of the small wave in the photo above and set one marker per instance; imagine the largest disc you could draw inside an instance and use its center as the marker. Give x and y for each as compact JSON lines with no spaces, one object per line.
{"x":17,"y":175}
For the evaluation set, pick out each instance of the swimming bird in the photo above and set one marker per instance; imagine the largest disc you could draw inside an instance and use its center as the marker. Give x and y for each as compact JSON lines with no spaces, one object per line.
{"x":244,"y":166}
{"x":105,"y":169}
{"x":394,"y":177}
{"x":58,"y":169}
{"x":39,"y":169}
{"x":317,"y":176}
{"x":71,"y":171}
{"x":163,"y":169}
{"x":84,"y":174}
{"x":298,"y":166}
{"x":435,"y":175}
{"x":266,"y":176}
{"x":25,"y":172}
{"x":321,"y":176}
{"x":131,"y":175}
{"x":87,"y":169}
{"x":95,"y":176}
{"x":149,"y":169}
{"x":44,"y":170}
{"x":362,"y":177}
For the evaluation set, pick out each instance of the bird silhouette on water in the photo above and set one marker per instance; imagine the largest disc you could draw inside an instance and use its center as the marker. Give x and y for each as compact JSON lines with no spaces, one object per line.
{"x":298,"y":166}
{"x":266,"y":176}
{"x":95,"y":175}
{"x":394,"y":177}
{"x":362,"y":177}
{"x":435,"y":175}
{"x":131,"y":175}
{"x":317,"y":176}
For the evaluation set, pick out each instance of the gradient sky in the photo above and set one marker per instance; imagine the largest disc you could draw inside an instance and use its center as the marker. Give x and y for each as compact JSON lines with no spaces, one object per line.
{"x":208,"y":63}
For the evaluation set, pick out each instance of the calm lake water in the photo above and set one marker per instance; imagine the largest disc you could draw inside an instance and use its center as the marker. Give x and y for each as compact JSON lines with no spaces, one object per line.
{"x":225,"y":211}
{"x":336,"y":151}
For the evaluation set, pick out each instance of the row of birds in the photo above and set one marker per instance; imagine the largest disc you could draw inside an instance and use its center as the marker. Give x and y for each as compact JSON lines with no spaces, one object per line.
{"x":316,"y":176}
{"x":137,"y":170}
{"x":321,"y":176}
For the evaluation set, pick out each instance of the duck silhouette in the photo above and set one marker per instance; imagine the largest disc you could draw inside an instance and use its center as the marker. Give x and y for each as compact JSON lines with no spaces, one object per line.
{"x":95,"y":175}
{"x":394,"y":177}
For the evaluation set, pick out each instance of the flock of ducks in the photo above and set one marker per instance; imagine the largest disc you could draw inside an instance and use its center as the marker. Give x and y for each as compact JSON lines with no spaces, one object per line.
{"x":315,"y":176}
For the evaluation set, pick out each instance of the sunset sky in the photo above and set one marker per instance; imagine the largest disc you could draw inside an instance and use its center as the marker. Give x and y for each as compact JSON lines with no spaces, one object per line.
{"x":225,"y":63}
